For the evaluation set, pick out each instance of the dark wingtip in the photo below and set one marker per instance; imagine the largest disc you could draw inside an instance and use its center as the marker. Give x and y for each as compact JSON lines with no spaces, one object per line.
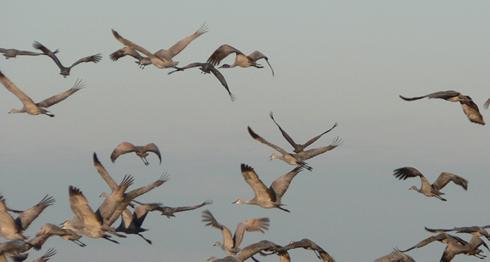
{"x":245,"y":168}
{"x":252,"y":133}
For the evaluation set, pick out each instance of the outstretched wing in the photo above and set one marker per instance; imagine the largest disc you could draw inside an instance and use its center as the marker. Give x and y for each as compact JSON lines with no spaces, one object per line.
{"x":153,"y":148}
{"x":281,"y":185}
{"x":210,"y":220}
{"x":265,"y":142}
{"x":250,"y":225}
{"x":180,"y":45}
{"x":445,"y":177}
{"x":257,"y":55}
{"x":61,"y":96}
{"x":441,"y":95}
{"x":253,"y":180}
{"x":310,"y":153}
{"x":93,"y":58}
{"x":80,"y":207}
{"x":221,"y":52}
{"x":283,"y":132}
{"x":25,"y":99}
{"x":127,"y":42}
{"x":438,"y":237}
{"x":221,"y":79}
{"x":471,"y":111}
{"x":26,"y":217}
{"x":49,"y":53}
{"x":406,"y":172}
{"x":122,"y":148}
{"x":314,"y":139}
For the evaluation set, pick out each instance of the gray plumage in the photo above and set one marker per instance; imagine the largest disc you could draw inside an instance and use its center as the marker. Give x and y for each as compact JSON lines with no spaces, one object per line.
{"x":426,"y":188}
{"x":141,"y":151}
{"x":32,"y":108}
{"x":65,"y":71}
{"x":241,"y":59}
{"x":469,"y":107}
{"x":267,"y":197}
{"x":395,"y":256}
{"x":207,"y":68}
{"x":12,"y":53}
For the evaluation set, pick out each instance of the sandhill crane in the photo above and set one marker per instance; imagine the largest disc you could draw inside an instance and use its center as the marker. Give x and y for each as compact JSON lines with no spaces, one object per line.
{"x":141,"y":151}
{"x":207,"y":68}
{"x":469,"y":107}
{"x":309,"y":245}
{"x":85,"y":221}
{"x":132,"y":223}
{"x":298,"y":148}
{"x":231,"y":244}
{"x":44,"y":258}
{"x":163,"y":57}
{"x":37,"y":108}
{"x":241,"y":59}
{"x":48,"y":230}
{"x":395,"y":256}
{"x":170,"y":211}
{"x":454,"y":246}
{"x":430,"y":190}
{"x":475,"y":242}
{"x":267,"y":197}
{"x":65,"y":71}
{"x":11,"y":228}
{"x":111,"y":201}
{"x":294,"y":158}
{"x":122,"y":204}
{"x":12,"y":53}
{"x":250,"y":250}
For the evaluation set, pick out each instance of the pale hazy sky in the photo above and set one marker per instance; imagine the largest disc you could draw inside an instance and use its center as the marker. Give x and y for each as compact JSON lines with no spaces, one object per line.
{"x":335,"y":61}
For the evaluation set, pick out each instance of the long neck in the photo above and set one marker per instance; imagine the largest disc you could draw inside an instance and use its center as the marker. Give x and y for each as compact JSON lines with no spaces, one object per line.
{"x":13,"y":111}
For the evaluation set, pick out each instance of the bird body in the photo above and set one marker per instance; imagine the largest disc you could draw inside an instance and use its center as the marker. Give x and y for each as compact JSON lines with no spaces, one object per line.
{"x":241,"y":59}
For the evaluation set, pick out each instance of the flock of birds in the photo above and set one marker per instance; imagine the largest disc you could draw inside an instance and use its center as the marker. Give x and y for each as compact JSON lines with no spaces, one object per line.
{"x":122,"y":204}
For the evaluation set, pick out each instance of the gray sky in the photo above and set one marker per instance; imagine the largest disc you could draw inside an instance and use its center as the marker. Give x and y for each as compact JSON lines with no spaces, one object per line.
{"x":335,"y":61}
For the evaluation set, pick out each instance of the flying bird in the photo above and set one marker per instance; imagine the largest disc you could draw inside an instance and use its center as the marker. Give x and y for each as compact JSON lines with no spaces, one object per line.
{"x":65,"y":71}
{"x":426,"y":188}
{"x":454,"y":246}
{"x":231,"y":243}
{"x":395,"y":256}
{"x":267,"y":197}
{"x":170,"y":211}
{"x":141,"y":151}
{"x":294,"y":158}
{"x":12,"y":53}
{"x":309,"y":245}
{"x":207,"y":68}
{"x":162,"y":58}
{"x":250,"y":250}
{"x":11,"y":228}
{"x":241,"y":59}
{"x":37,"y":108}
{"x":48,"y":230}
{"x":86,"y":222}
{"x":298,"y":148}
{"x":469,"y":107}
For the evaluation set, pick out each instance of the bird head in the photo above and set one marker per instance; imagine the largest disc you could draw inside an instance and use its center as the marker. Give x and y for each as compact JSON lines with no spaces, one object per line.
{"x":225,"y":66}
{"x":413,"y":188}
